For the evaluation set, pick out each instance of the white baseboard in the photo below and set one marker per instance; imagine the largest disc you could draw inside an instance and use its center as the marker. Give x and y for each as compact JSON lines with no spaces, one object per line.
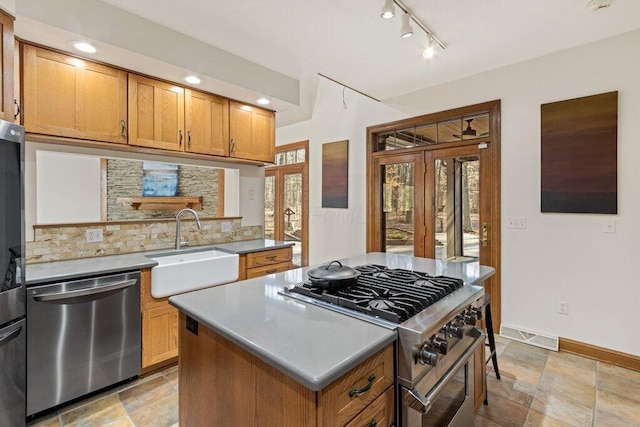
{"x":539,"y":340}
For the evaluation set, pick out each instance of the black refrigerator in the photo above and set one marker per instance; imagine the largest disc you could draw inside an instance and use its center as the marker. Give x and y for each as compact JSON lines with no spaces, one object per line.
{"x":12,"y":290}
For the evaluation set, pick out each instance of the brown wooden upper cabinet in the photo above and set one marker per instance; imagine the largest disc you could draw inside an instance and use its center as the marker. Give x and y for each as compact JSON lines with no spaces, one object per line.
{"x":156,"y":114}
{"x":6,"y":67}
{"x":70,"y":97}
{"x":251,"y":132}
{"x":207,"y":123}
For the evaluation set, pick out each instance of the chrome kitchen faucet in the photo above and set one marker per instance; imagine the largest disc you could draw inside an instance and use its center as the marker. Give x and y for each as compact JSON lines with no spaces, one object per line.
{"x":179,"y":242}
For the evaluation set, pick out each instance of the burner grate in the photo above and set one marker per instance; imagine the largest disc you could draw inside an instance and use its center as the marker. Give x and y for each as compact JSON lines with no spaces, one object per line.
{"x":391,"y":294}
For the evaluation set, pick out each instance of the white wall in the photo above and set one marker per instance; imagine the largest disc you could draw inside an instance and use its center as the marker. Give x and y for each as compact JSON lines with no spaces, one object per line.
{"x":559,"y":256}
{"x":337,"y":233}
{"x":68,"y":188}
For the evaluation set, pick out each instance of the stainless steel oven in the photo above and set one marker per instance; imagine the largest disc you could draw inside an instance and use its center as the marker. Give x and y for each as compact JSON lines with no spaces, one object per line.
{"x":444,"y":398}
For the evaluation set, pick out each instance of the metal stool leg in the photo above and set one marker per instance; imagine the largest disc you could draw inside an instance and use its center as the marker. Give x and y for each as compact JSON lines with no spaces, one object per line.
{"x":492,"y":343}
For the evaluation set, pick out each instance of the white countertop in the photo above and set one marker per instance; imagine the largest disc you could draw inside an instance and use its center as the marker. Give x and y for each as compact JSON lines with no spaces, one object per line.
{"x":311,"y":344}
{"x":76,"y":268}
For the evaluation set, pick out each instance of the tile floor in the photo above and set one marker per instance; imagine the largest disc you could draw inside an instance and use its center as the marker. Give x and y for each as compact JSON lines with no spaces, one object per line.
{"x":538,"y":388}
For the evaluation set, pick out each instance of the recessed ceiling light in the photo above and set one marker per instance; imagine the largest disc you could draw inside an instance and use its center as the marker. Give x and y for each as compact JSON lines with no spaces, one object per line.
{"x":263,"y":101}
{"x":599,"y":4}
{"x":84,"y":47}
{"x":193,"y":80}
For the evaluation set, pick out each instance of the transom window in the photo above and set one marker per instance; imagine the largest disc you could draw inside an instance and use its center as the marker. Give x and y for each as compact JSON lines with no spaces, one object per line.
{"x":450,"y":130}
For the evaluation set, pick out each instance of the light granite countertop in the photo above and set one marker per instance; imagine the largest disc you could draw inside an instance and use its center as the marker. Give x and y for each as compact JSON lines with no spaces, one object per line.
{"x":311,"y":344}
{"x":76,"y":268}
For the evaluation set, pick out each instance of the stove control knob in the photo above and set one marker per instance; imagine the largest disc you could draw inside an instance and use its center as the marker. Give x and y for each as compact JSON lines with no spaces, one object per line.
{"x":456,"y":331}
{"x":427,"y":357}
{"x":477,"y":312}
{"x":470,"y":318}
{"x":440,"y":344}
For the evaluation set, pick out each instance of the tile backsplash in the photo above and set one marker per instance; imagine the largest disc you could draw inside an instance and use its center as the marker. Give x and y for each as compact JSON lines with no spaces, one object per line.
{"x":64,"y":242}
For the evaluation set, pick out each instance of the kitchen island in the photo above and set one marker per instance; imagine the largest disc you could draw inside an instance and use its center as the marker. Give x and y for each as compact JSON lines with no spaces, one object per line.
{"x":251,"y":356}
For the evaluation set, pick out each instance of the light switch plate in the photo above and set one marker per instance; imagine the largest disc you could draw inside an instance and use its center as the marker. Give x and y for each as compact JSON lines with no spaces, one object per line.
{"x":226,"y":227}
{"x":517,"y":222}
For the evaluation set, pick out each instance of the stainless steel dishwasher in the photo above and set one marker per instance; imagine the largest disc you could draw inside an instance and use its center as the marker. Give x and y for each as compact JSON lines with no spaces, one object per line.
{"x":82,"y":336}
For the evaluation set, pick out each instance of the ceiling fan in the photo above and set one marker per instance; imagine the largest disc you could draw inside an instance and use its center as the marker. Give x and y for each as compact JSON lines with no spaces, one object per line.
{"x":470,"y":132}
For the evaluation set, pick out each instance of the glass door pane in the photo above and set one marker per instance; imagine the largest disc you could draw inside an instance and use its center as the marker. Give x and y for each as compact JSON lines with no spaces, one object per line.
{"x":457,"y":209}
{"x":398,"y":195}
{"x":293,"y":214}
{"x":269,"y":206}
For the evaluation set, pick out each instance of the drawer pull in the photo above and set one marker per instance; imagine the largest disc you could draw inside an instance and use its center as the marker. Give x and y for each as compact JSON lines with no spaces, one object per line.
{"x":273,"y":270}
{"x":272,"y":257}
{"x":373,"y":423}
{"x":364,"y":389}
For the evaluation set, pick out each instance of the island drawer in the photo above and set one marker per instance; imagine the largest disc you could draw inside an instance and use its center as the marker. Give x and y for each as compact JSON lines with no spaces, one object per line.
{"x":379,"y":413}
{"x":275,"y":256}
{"x":346,"y":397}
{"x":268,"y":269}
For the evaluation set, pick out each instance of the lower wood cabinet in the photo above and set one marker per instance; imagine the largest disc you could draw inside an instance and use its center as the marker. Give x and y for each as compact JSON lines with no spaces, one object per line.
{"x":159,"y":327}
{"x":222,"y":384}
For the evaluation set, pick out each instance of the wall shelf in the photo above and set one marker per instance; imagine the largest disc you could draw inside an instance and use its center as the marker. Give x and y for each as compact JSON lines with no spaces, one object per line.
{"x":162,"y":203}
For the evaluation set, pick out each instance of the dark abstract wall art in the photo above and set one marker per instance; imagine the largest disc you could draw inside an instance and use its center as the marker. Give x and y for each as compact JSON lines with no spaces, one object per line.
{"x":335,"y":174}
{"x":579,"y":155}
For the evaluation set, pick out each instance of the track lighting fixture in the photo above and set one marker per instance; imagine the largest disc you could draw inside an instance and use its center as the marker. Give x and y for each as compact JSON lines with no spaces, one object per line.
{"x":388,"y":10}
{"x":406,"y":31}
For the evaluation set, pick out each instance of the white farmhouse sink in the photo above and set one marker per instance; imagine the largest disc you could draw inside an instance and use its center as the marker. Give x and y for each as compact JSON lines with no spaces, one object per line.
{"x":185,"y":272}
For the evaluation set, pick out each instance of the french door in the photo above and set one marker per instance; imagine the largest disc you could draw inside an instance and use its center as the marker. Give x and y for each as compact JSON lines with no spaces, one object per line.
{"x":428,"y":204}
{"x":434,"y":189}
{"x":286,"y":200}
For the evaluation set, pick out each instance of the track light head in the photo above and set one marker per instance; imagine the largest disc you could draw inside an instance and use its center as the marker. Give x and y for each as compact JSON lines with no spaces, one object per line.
{"x":429,"y":51}
{"x":406,"y":30}
{"x":388,"y":10}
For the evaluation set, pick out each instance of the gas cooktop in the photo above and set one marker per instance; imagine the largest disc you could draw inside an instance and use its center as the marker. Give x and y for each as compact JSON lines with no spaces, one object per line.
{"x":394,"y":295}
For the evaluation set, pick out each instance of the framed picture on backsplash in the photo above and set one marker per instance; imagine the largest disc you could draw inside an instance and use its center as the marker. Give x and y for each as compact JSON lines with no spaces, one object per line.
{"x":159,"y":179}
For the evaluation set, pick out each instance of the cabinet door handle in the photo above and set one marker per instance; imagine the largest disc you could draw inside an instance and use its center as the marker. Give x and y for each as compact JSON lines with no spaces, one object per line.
{"x":189,"y":139}
{"x":232,"y":146}
{"x":123,"y":128}
{"x":364,"y":389}
{"x":180,"y":142}
{"x":17,"y":113}
{"x":373,"y":423}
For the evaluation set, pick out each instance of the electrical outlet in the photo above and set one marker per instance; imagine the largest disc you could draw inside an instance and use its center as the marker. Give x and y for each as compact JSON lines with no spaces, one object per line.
{"x":226,"y":227}
{"x":93,"y":235}
{"x":252,"y":194}
{"x":609,"y":226}
{"x":563,"y":307}
{"x":517,"y":222}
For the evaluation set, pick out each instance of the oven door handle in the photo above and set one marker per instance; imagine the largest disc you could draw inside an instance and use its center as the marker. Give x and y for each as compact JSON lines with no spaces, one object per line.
{"x":90,"y":290}
{"x":423,"y":403}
